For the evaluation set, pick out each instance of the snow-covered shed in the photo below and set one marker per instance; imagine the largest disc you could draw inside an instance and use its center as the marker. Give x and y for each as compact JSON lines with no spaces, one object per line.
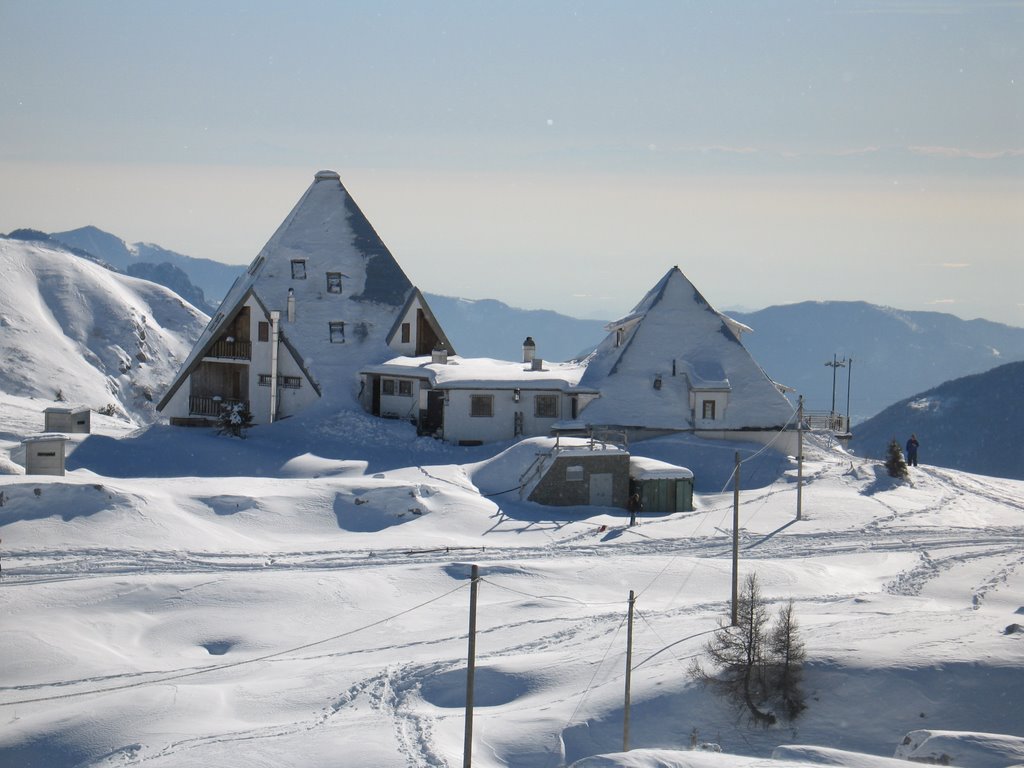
{"x":675,"y":364}
{"x":321,"y":300}
{"x":61,"y":419}
{"x":45,"y":454}
{"x":662,"y":487}
{"x":475,"y":400}
{"x":579,"y":473}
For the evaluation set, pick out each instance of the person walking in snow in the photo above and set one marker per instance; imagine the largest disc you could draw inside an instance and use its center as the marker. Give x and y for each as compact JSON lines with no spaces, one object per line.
{"x":635,"y":505}
{"x":912,"y":445}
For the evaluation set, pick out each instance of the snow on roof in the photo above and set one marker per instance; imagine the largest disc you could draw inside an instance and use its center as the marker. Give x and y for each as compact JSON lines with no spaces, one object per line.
{"x":483,"y":373}
{"x":46,"y":437}
{"x":642,"y":468}
{"x":672,"y":343}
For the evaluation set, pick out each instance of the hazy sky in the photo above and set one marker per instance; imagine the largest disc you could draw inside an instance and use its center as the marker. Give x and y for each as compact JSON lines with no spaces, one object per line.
{"x":549,"y":154}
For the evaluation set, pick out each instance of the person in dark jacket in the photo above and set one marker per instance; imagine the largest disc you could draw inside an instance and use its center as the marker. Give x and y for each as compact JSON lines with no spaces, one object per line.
{"x":912,"y":445}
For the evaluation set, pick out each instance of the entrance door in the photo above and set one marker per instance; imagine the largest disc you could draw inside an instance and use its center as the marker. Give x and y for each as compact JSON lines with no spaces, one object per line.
{"x":601,"y":490}
{"x":434,"y":420}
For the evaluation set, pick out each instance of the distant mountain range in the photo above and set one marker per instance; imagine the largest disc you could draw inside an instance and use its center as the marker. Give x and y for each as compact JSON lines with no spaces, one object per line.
{"x":894,"y":353}
{"x":972,"y":423}
{"x":206,"y":280}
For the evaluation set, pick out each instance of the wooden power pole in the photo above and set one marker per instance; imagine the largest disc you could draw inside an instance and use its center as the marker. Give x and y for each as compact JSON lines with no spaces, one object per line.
{"x":800,"y":459}
{"x":736,"y":543}
{"x":467,"y":747}
{"x":629,"y":673}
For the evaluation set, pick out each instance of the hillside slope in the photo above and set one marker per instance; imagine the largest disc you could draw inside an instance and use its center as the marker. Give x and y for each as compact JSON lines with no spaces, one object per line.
{"x":73,"y":331}
{"x":972,"y":423}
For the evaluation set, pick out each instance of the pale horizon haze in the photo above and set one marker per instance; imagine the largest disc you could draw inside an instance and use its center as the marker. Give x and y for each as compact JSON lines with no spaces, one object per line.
{"x":549,"y":155}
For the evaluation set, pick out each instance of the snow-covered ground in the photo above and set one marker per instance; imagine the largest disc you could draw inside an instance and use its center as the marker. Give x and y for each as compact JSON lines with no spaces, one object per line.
{"x":301,"y":598}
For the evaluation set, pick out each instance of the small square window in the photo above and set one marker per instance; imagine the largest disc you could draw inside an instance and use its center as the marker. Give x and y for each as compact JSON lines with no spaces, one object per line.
{"x":574,"y":473}
{"x":709,"y":410}
{"x":263,"y":331}
{"x":264,"y":379}
{"x":387,"y":387}
{"x":334,"y":282}
{"x":405,"y":388}
{"x":337,"y":332}
{"x":545,"y":406}
{"x":481,"y":405}
{"x":298,"y":269}
{"x":406,"y":333}
{"x":291,"y":382}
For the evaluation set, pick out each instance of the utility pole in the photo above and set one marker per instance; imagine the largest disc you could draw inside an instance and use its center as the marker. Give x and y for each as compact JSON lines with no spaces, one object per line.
{"x":736,"y":543}
{"x":849,"y":375}
{"x":800,"y":458}
{"x":629,"y":672}
{"x":467,"y":747}
{"x":836,"y":363}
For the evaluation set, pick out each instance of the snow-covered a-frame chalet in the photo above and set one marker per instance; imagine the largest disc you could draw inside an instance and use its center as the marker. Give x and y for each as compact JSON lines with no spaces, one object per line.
{"x":675,"y":364}
{"x":322,"y":300}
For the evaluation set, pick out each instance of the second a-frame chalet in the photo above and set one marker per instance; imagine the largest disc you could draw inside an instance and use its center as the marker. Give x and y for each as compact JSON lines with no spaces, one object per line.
{"x":675,"y":364}
{"x":322,"y":300}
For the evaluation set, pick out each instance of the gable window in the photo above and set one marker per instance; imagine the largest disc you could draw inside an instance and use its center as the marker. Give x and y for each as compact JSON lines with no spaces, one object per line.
{"x":406,"y":333}
{"x":291,"y":382}
{"x":334,"y":282}
{"x":545,"y":406}
{"x":481,"y":405}
{"x":337,"y":328}
{"x":387,"y":386}
{"x":263,"y":331}
{"x":405,"y":388}
{"x":708,"y":409}
{"x":298,"y":269}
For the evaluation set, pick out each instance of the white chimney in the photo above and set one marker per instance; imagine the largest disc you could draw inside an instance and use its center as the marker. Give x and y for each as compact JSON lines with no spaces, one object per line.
{"x":439,"y":356}
{"x":291,"y":305}
{"x":529,"y":349}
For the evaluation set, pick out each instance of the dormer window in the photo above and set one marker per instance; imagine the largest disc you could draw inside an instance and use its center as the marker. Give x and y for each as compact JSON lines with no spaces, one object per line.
{"x":708,"y":410}
{"x":620,"y":335}
{"x":334,"y":282}
{"x":337,"y":329}
{"x":298,"y":269}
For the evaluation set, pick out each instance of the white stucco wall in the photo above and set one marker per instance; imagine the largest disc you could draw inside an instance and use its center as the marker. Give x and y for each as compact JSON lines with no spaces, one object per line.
{"x":459,"y":425}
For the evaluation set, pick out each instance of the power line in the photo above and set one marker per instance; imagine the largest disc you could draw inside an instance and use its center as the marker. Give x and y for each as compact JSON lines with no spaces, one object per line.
{"x":231,"y":665}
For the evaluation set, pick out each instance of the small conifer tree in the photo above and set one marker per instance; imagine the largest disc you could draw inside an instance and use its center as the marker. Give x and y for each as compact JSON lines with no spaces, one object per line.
{"x":894,"y":461}
{"x":234,"y":420}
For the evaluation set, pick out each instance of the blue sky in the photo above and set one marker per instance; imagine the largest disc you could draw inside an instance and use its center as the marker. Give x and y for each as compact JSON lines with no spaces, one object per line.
{"x":557,"y":155}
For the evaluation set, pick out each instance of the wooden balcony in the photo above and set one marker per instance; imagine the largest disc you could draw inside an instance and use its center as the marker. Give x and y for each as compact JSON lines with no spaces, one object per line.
{"x":224,"y":349}
{"x":211,"y":406}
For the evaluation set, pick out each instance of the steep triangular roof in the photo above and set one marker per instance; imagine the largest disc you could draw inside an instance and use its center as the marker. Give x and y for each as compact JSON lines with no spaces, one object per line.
{"x":324,"y":233}
{"x":674,"y":342}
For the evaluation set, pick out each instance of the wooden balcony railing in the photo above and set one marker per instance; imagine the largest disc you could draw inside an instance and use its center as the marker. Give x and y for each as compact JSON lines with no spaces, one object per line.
{"x":211,"y":406}
{"x":231,"y":350}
